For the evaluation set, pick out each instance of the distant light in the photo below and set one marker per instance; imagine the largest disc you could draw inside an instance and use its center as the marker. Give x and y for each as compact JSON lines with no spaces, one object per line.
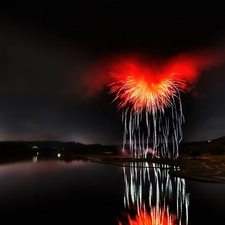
{"x":59,"y":155}
{"x":209,"y":140}
{"x":34,"y":159}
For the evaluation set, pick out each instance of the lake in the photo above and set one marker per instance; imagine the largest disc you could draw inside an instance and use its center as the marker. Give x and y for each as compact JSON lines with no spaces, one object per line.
{"x":84,"y":192}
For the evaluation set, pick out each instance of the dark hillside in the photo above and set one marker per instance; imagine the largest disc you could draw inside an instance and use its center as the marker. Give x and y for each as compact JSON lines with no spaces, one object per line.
{"x":214,"y":147}
{"x":13,"y":150}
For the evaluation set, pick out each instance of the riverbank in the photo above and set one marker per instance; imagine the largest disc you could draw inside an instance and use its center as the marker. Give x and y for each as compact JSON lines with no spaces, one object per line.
{"x":203,"y":161}
{"x":205,"y":168}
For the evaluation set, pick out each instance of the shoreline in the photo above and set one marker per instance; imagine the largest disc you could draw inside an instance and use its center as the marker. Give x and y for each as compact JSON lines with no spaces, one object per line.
{"x":207,"y":168}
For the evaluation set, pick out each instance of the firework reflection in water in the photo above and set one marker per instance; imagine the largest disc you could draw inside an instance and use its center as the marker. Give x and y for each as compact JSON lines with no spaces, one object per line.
{"x":152,"y":196}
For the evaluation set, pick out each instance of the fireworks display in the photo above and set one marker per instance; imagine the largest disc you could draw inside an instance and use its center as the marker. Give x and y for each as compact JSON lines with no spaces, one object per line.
{"x":149,"y":94}
{"x":146,"y":97}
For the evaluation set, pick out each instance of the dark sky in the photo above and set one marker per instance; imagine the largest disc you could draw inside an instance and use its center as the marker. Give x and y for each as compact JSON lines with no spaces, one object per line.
{"x":47,"y":51}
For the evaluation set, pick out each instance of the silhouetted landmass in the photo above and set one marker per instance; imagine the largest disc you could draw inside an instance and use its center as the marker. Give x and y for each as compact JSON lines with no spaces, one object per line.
{"x":213,"y":147}
{"x":10,"y":150}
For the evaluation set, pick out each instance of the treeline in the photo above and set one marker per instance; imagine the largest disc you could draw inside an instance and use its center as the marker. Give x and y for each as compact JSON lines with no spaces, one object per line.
{"x":23,"y":149}
{"x":52,"y":148}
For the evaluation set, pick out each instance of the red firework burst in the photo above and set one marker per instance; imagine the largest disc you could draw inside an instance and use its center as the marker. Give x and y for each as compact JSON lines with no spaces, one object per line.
{"x":144,"y":87}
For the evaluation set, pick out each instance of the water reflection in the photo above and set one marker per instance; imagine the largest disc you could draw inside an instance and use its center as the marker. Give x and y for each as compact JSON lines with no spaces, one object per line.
{"x":152,"y":196}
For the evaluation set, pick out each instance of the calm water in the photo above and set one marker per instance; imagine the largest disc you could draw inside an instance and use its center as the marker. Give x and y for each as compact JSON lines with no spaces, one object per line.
{"x":82,"y":192}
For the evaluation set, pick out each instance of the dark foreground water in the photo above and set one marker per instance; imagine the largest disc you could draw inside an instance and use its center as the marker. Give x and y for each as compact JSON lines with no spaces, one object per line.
{"x":82,"y":192}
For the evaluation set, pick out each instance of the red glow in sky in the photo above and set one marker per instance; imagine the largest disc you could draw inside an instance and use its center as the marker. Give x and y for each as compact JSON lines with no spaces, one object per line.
{"x":144,"y":86}
{"x":185,"y":67}
{"x":189,"y":66}
{"x":147,"y":84}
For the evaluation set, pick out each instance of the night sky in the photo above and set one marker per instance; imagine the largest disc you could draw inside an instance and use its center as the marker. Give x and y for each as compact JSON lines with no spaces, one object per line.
{"x":52,"y":64}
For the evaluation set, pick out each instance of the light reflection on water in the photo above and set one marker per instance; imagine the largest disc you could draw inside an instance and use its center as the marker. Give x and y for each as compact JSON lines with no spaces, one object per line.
{"x":152,"y":196}
{"x":52,"y":190}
